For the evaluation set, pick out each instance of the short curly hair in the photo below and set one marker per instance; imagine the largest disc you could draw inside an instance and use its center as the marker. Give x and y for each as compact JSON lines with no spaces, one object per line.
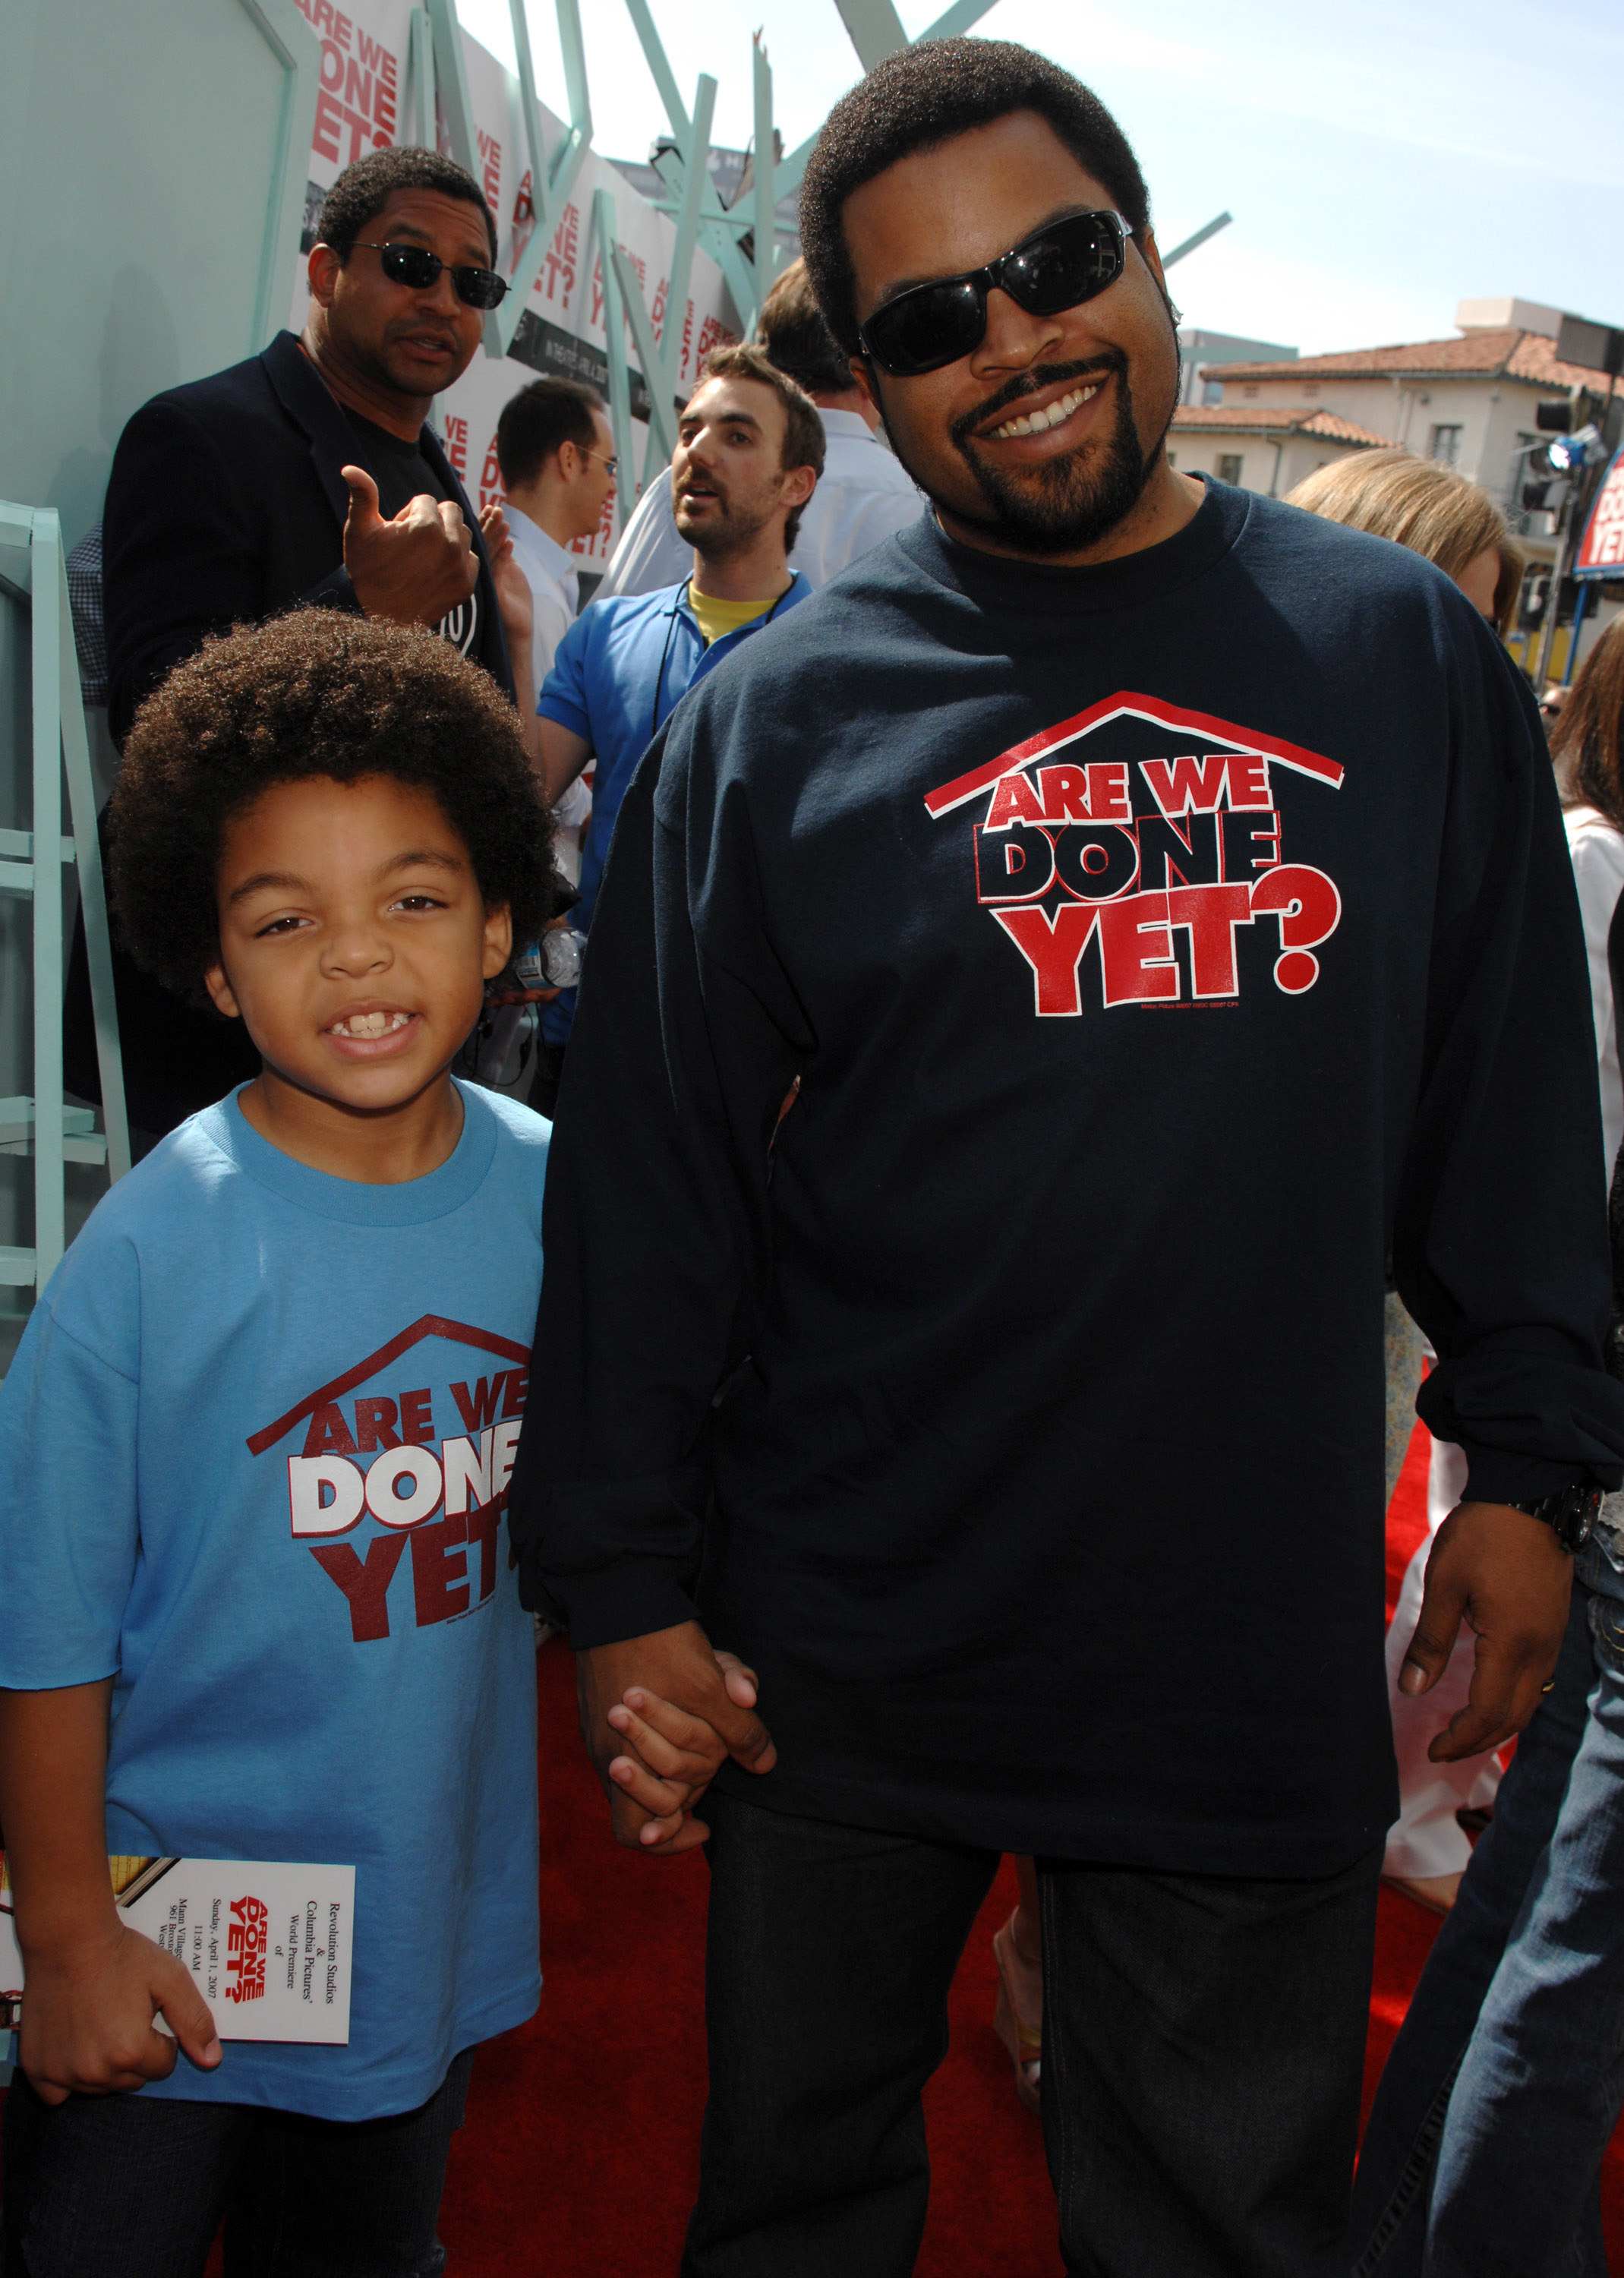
{"x":923,"y":95}
{"x":364,"y":189}
{"x":317,"y":692}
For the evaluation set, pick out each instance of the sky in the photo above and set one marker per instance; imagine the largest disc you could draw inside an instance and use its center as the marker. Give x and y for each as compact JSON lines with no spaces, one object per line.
{"x":1382,"y":162}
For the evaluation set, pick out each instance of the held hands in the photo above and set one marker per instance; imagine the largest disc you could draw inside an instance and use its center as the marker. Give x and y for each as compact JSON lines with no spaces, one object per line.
{"x":87,"y":2015}
{"x":1510,"y":1577}
{"x":659,"y":1716}
{"x":414,"y":569}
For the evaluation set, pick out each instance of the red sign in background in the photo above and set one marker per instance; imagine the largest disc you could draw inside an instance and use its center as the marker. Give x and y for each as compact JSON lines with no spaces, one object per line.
{"x":1601,"y":549}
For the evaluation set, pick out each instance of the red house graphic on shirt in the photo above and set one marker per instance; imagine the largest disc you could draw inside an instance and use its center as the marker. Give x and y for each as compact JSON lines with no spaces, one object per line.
{"x":1149,"y":834}
{"x":372,"y":1464}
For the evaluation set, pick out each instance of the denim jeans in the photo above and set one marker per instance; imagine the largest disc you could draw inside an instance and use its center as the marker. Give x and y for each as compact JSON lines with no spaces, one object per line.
{"x":137,"y":2186}
{"x":1202,"y":2050}
{"x":1483,"y":2158}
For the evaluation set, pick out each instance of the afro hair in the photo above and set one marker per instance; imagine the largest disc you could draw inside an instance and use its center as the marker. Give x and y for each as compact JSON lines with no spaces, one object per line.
{"x":318,"y":692}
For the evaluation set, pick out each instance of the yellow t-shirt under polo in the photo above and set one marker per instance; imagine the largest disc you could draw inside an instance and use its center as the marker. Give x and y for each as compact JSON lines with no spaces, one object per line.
{"x":717,"y":619}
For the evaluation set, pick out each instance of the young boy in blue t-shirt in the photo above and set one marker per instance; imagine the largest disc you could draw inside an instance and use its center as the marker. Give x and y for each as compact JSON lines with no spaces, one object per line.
{"x":255,"y":1445}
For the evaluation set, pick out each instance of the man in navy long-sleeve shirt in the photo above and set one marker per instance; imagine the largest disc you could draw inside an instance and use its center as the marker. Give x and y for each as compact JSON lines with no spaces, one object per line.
{"x":1160,"y":899}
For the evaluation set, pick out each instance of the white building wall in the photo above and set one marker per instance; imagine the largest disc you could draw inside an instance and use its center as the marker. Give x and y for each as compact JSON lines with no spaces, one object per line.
{"x":1493,"y":417}
{"x":1267,"y":465}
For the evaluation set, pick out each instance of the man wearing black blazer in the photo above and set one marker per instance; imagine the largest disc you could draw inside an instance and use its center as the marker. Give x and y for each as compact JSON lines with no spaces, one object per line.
{"x":307,"y":476}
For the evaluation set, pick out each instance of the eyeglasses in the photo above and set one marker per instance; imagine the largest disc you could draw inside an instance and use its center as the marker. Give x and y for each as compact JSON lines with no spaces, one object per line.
{"x":1057,"y":267}
{"x":415,"y":266}
{"x":614,"y":466}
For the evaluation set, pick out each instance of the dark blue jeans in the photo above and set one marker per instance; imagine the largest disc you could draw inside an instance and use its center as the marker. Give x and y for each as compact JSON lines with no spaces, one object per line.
{"x":137,"y":2186}
{"x":1203,"y":2040}
{"x":1483,"y":2154}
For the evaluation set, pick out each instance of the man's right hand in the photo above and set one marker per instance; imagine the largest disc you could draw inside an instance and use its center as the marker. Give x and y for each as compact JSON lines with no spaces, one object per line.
{"x":679,"y":1711}
{"x":414,"y":569}
{"x":87,"y":2015}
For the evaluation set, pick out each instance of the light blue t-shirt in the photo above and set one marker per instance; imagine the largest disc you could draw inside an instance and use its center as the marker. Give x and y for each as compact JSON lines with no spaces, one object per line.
{"x":188,"y":1439}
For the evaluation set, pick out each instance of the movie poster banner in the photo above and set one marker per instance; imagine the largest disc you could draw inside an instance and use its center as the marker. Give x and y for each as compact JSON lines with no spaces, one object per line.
{"x":1601,"y":549}
{"x":362,"y":106}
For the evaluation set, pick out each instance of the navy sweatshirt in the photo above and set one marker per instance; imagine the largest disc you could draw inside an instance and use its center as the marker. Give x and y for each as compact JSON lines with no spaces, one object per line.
{"x":1157,"y":945}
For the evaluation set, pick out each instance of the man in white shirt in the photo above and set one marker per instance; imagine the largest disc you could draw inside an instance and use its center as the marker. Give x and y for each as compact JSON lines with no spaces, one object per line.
{"x":862,"y":496}
{"x":556,"y":453}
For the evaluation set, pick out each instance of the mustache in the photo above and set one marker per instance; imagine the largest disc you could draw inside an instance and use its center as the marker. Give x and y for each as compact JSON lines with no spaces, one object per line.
{"x":1023,"y":384}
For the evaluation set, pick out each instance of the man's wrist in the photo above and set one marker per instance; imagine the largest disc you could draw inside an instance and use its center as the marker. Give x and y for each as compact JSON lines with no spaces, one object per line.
{"x":1571,"y":1512}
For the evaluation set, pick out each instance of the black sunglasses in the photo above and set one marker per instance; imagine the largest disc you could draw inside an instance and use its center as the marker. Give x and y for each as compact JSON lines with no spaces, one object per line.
{"x":416,"y":266}
{"x":1057,"y":267}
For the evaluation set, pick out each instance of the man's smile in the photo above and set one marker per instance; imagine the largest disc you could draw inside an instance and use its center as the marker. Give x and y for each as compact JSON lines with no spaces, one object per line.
{"x":1043,"y":418}
{"x":1047,"y":415}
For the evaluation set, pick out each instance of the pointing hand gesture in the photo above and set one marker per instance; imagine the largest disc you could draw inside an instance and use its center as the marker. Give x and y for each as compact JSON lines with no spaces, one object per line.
{"x":414,"y":569}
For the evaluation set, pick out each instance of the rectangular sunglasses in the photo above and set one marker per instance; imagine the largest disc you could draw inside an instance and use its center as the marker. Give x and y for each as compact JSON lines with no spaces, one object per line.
{"x":1057,"y":267}
{"x":415,"y":266}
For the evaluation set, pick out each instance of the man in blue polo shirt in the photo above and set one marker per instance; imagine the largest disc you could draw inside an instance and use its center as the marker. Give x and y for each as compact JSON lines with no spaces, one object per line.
{"x":749,"y":451}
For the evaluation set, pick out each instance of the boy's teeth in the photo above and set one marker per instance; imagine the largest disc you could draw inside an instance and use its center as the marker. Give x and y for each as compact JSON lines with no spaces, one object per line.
{"x":1036,"y":421}
{"x":371,"y":1024}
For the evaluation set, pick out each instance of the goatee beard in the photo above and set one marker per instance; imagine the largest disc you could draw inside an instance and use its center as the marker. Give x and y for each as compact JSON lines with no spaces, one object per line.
{"x":1068,"y":503}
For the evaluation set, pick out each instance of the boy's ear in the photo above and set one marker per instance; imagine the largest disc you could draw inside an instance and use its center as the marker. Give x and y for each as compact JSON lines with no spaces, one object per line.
{"x":220,"y":993}
{"x":498,"y":940}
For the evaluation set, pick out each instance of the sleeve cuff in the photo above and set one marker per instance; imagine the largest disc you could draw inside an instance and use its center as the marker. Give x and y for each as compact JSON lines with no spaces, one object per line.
{"x":551,"y":707}
{"x":1497,"y":1475}
{"x":629,"y":1600}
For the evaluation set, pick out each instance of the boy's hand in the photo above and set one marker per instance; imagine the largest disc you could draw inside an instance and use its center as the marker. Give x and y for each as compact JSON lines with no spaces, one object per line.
{"x":1507,"y":1574}
{"x":683,"y":1708}
{"x":88,"y":2013}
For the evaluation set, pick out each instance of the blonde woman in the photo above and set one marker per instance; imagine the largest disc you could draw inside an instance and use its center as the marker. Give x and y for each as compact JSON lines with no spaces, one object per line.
{"x":1437,"y":513}
{"x":1430,"y":509}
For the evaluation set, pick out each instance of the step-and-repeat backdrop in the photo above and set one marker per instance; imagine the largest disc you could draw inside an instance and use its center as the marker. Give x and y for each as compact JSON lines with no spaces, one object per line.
{"x":361,"y":107}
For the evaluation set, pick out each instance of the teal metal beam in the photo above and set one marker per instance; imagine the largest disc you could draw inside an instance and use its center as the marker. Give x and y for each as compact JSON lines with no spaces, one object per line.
{"x":664,"y":77}
{"x":523,"y":270}
{"x":661,"y":422}
{"x":87,"y":852}
{"x":417,"y":95}
{"x":33,"y":571}
{"x":287,"y":33}
{"x":695,"y":180}
{"x":1208,"y":229}
{"x":49,"y":583}
{"x":451,"y":85}
{"x":664,"y":379}
{"x":566,"y":159}
{"x":604,"y":228}
{"x":767,"y":177}
{"x":951,"y":24}
{"x":720,"y":232}
{"x":875,"y":29}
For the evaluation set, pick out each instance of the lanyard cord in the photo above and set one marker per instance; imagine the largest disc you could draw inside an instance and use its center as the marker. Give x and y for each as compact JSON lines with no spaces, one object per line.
{"x":660,"y":677}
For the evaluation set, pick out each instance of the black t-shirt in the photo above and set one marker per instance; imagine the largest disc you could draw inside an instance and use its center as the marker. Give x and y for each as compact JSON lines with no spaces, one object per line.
{"x":402,"y":473}
{"x":1154,"y":944}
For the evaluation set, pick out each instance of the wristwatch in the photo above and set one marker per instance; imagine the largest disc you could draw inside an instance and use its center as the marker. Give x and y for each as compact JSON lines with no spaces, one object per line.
{"x":1570,"y":1513}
